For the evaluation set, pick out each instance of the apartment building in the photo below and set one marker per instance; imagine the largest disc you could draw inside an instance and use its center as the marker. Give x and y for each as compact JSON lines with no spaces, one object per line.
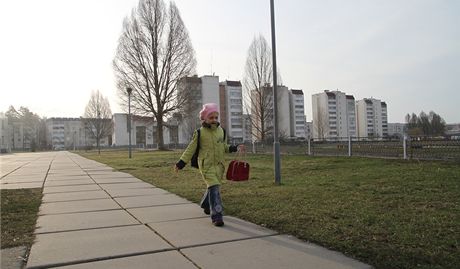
{"x":231,"y":110}
{"x":199,"y":91}
{"x":5,"y":134}
{"x":372,"y":118}
{"x":334,"y":115}
{"x":69,"y":133}
{"x":298,"y":118}
{"x":284,"y":112}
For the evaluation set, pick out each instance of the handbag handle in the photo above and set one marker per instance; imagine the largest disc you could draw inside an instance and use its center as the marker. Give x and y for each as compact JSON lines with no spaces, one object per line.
{"x":240,"y":157}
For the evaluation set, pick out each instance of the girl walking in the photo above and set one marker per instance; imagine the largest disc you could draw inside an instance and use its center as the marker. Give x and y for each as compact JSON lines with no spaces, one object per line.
{"x":212,"y":146}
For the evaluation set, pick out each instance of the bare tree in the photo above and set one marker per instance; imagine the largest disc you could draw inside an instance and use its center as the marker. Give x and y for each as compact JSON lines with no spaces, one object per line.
{"x":98,"y":118}
{"x":256,"y":82}
{"x":153,"y":54}
{"x":320,"y":124}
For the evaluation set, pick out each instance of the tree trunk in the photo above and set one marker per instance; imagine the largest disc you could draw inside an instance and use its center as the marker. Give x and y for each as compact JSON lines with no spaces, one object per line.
{"x":161,"y":145}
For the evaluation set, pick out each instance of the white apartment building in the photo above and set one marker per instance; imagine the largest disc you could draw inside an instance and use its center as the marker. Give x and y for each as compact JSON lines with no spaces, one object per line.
{"x":298,"y":118}
{"x":372,"y":118}
{"x":284,"y":112}
{"x":334,"y":115}
{"x":70,"y":133}
{"x":143,"y":131}
{"x":199,"y":90}
{"x":231,"y":110}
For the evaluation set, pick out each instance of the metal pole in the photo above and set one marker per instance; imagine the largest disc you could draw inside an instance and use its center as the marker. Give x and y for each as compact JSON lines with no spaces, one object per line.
{"x":349,"y":146}
{"x":276,"y":143}
{"x":129,"y":120}
{"x":405,"y":147}
{"x":309,"y":146}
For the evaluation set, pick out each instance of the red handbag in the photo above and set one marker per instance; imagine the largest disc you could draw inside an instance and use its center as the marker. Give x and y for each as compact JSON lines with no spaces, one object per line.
{"x":238,"y":170}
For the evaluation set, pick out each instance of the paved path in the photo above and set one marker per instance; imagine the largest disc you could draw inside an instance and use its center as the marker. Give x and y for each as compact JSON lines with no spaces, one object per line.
{"x":95,"y":217}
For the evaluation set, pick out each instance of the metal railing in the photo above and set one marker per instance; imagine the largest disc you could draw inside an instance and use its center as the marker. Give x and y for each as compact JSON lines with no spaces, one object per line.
{"x":423,"y":148}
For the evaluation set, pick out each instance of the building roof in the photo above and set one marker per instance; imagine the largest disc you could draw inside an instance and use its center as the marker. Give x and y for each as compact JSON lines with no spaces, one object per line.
{"x":297,"y":92}
{"x":350,"y":97}
{"x":384,"y":104}
{"x":233,"y":83}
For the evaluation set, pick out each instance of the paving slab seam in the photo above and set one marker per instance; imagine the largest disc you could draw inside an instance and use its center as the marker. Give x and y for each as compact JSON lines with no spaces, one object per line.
{"x":71,"y":191}
{"x":171,"y":244}
{"x":161,"y":221}
{"x":46,"y":175}
{"x":105,"y":258}
{"x":145,"y":206}
{"x":138,"y":195}
{"x":110,"y":195}
{"x":76,"y":212}
{"x":14,"y":170}
{"x":228,"y":241}
{"x":21,"y":182}
{"x":76,"y":200}
{"x":88,"y":229}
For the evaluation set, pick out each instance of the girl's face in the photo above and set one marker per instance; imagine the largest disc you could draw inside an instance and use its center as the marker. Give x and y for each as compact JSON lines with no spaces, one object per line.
{"x":212,"y":118}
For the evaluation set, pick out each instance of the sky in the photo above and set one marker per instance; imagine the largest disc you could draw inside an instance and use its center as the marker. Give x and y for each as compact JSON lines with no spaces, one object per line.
{"x":54,"y":53}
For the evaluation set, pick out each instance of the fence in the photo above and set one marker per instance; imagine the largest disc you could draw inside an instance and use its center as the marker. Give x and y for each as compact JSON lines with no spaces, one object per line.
{"x":406,"y":148}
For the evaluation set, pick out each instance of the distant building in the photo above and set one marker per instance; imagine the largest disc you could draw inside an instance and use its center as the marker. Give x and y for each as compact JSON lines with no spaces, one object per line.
{"x":397,"y":129}
{"x":298,"y":117}
{"x":453,"y":130}
{"x":247,"y":128}
{"x":284,"y":113}
{"x":231,"y":109}
{"x":199,"y":91}
{"x":5,"y":134}
{"x":69,"y":133}
{"x":309,"y":129}
{"x":333,"y":115}
{"x":372,"y":118}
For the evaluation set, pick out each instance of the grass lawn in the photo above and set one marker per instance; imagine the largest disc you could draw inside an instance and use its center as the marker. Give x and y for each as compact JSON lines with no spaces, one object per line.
{"x":19,"y":209}
{"x":388,"y":213}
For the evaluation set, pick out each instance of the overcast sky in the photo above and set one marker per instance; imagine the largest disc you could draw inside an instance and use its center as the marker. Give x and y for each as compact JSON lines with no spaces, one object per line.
{"x":53,"y":53}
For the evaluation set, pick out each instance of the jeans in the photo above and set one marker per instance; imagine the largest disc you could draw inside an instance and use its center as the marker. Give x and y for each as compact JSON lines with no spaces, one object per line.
{"x":211,"y":199}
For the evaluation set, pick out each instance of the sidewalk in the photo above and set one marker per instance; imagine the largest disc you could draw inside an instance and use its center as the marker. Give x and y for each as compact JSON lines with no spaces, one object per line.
{"x":94,"y":217}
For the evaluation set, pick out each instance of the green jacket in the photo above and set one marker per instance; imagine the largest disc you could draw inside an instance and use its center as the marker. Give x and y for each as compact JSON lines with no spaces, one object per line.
{"x":211,"y":155}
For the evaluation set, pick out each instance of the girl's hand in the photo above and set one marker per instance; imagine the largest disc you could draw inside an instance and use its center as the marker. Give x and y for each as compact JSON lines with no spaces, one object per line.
{"x":176,"y":168}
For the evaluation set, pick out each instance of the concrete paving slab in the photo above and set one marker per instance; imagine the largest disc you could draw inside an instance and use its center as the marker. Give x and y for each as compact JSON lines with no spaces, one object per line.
{"x":162,"y":260}
{"x":77,"y":206}
{"x":23,"y":179}
{"x":86,"y":220}
{"x":12,"y":258}
{"x":109,"y":173}
{"x":68,"y":182}
{"x":66,"y":177}
{"x":193,"y":232}
{"x":135,"y":192}
{"x":78,"y":246}
{"x":117,"y":180}
{"x":74,"y":196}
{"x":167,"y":213}
{"x":56,"y":189}
{"x":269,"y":252}
{"x":132,"y":185}
{"x":150,"y":200}
{"x":29,"y":185}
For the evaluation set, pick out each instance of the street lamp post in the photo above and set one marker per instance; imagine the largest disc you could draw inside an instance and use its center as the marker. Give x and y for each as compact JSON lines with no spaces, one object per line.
{"x":276,"y":143}
{"x":129,"y":90}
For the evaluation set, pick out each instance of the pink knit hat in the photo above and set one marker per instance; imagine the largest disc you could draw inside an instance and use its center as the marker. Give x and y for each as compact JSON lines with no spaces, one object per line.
{"x":208,"y":109}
